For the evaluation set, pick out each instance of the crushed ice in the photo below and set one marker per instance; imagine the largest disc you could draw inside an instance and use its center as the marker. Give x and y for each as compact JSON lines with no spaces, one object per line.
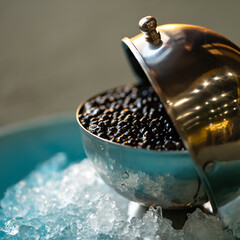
{"x":62,"y":201}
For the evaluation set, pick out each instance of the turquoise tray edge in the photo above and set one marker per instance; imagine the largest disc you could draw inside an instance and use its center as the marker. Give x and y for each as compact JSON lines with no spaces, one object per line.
{"x":23,"y":146}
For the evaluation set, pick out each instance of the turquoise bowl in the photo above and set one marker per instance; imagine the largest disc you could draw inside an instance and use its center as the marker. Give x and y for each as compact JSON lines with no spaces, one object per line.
{"x":24,"y":146}
{"x":166,"y":178}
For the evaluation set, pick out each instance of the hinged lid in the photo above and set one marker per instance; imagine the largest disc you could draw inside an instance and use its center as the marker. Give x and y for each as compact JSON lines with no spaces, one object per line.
{"x":196,"y":72}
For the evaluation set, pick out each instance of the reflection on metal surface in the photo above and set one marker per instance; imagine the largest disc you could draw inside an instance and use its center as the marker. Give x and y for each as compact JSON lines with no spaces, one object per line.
{"x":180,"y":102}
{"x":198,"y":82}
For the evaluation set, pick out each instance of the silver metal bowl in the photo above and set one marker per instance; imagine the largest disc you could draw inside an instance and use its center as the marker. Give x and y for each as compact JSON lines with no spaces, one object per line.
{"x":166,"y":178}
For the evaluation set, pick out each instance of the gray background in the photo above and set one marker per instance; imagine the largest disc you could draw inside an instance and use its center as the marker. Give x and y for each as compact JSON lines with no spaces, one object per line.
{"x":55,"y":53}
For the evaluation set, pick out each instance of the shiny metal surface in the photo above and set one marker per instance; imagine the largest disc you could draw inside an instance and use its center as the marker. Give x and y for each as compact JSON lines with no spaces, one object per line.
{"x":149,"y":177}
{"x":196,"y":71}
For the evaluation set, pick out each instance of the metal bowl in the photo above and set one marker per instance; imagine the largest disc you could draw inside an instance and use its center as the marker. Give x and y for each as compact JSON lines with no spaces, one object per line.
{"x":166,"y":178}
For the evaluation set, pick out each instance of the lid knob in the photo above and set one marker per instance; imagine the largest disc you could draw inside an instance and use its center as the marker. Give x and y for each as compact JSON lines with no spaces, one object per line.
{"x":148,"y":26}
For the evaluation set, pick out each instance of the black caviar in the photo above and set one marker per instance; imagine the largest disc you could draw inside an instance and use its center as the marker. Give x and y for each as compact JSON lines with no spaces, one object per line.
{"x":131,"y":115}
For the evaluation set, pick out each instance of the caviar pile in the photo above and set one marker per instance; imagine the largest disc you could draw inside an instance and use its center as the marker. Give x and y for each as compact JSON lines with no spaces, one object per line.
{"x":131,"y":115}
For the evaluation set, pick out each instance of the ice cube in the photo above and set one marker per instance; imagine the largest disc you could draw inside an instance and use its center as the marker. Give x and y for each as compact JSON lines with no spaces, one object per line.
{"x":28,"y":233}
{"x":105,"y":215}
{"x":202,"y":226}
{"x":12,"y":226}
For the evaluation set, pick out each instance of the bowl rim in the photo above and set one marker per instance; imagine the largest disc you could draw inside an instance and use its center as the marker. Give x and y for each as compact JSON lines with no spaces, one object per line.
{"x":80,"y":108}
{"x":32,"y":123}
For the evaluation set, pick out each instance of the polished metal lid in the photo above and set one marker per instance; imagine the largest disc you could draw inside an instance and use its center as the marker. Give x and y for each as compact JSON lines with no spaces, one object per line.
{"x":196,"y":73}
